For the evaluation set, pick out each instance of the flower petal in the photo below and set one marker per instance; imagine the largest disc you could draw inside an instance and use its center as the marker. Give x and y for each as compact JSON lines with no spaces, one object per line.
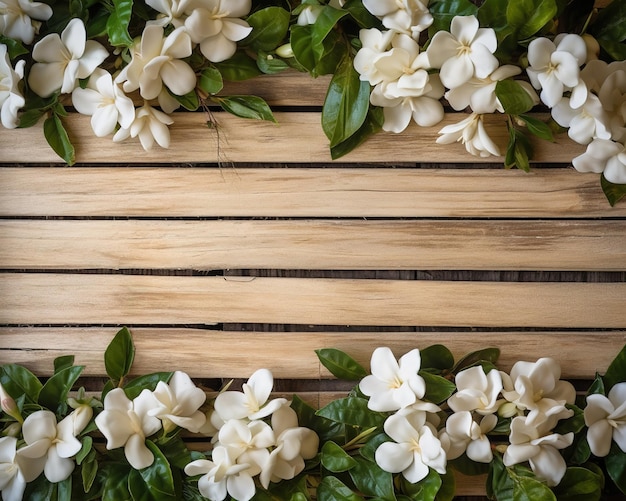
{"x":57,"y":468}
{"x":393,"y":457}
{"x":74,"y":37}
{"x":46,"y":78}
{"x":137,"y":453}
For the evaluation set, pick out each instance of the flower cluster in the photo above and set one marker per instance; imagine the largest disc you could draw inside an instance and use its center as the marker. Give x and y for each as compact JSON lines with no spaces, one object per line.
{"x":401,"y":431}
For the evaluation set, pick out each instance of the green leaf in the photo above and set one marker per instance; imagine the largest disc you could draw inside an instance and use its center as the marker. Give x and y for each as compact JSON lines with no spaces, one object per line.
{"x":363,"y":17}
{"x":517,"y":483}
{"x":341,"y":365}
{"x":57,"y":138}
{"x":85,"y":450}
{"x":448,"y":487}
{"x":538,"y":127}
{"x":610,"y":23}
{"x":471,"y":359}
{"x":269,"y":28}
{"x":88,"y":472}
{"x":18,"y":381}
{"x":333,"y":489}
{"x":466,"y":466}
{"x":352,"y":411}
{"x":373,"y":123}
{"x":115,"y":478}
{"x":64,"y":490}
{"x":617,"y":50}
{"x":157,"y":478}
{"x":368,"y":451}
{"x":325,"y":428}
{"x":63,"y":362}
{"x":247,"y":107}
{"x":30,"y":117}
{"x":269,"y":64}
{"x":425,"y":489}
{"x":579,"y":484}
{"x":438,"y":388}
{"x":616,"y":373}
{"x":54,"y":392}
{"x":40,"y":490}
{"x":615,"y":464}
{"x":239,"y":67}
{"x":514,"y":99}
{"x":14,"y":47}
{"x":436,"y":356}
{"x":119,"y":355}
{"x":573,"y":424}
{"x":519,"y":151}
{"x":145,"y":382}
{"x":301,"y":40}
{"x":529,"y":16}
{"x":189,"y":101}
{"x":117,"y":25}
{"x":613,"y":192}
{"x":444,"y":10}
{"x":335,"y":459}
{"x":210,"y":80}
{"x":372,"y":480}
{"x":346,"y":104}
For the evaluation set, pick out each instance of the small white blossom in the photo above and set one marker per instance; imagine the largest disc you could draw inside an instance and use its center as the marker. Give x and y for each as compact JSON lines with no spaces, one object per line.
{"x":410,"y":17}
{"x":16,"y":18}
{"x":585,"y":123}
{"x":605,"y":418}
{"x":472,"y":134}
{"x":9,"y":406}
{"x":606,"y":156}
{"x":172,"y":12}
{"x":12,"y":481}
{"x":464,"y":434}
{"x":374,"y":43}
{"x":476,"y":391}
{"x":248,"y":442}
{"x":179,"y":403}
{"x":150,"y":125}
{"x":612,"y":95}
{"x":63,"y":60}
{"x":465,"y":52}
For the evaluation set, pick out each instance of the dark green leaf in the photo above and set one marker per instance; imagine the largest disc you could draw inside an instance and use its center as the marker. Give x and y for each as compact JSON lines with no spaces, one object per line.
{"x":18,"y":381}
{"x":537,"y":127}
{"x":617,"y":50}
{"x":352,"y":411}
{"x":466,"y":466}
{"x":210,"y":80}
{"x":30,"y":118}
{"x":301,"y":39}
{"x":615,"y":464}
{"x":340,"y":364}
{"x":85,"y":450}
{"x":579,"y":453}
{"x":40,"y":490}
{"x":55,"y":391}
{"x":145,"y":382}
{"x":333,"y":489}
{"x":88,"y":472}
{"x":597,"y":386}
{"x":361,"y":15}
{"x":613,"y":192}
{"x":444,"y":10}
{"x":239,"y":67}
{"x":610,"y":23}
{"x":616,"y":373}
{"x":63,"y":362}
{"x":64,"y":490}
{"x":529,"y":16}
{"x":117,"y":25}
{"x":579,"y":484}
{"x":158,"y":476}
{"x":372,"y":480}
{"x":519,"y":151}
{"x":335,"y":459}
{"x":269,"y":28}
{"x":425,"y":489}
{"x":115,"y":482}
{"x":189,"y":101}
{"x":436,"y":356}
{"x":448,"y":487}
{"x":269,"y":64}
{"x":119,"y":355}
{"x":14,"y":47}
{"x":253,"y":107}
{"x":373,"y":123}
{"x":57,"y":138}
{"x":572,"y":424}
{"x":438,"y":388}
{"x":514,"y":99}
{"x":368,"y":451}
{"x":325,"y":428}
{"x":475,"y":357}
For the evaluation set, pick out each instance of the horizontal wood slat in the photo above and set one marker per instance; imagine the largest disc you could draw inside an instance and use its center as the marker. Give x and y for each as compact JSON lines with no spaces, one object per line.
{"x":219,"y":354}
{"x":298,"y":137}
{"x":301,"y":192}
{"x":128,"y":299}
{"x":314,"y":244}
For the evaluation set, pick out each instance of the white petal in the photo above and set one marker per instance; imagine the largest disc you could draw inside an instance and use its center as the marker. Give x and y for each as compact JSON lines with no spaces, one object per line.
{"x":567,"y":69}
{"x":177,"y":44}
{"x":456,"y":71}
{"x":416,"y":471}
{"x":178,"y":77}
{"x":575,"y":45}
{"x":14,"y":491}
{"x":549,"y":465}
{"x":484,"y":61}
{"x":86,"y":101}
{"x":426,"y":113}
{"x":218,"y":48}
{"x":615,"y":171}
{"x":57,"y":468}
{"x":442,"y":47}
{"x":94,"y":55}
{"x":236,"y":29}
{"x":104,"y":120}
{"x":39,"y":425}
{"x":480,"y":450}
{"x":241,"y":487}
{"x":137,"y":453}
{"x":49,"y":49}
{"x":46,"y":78}
{"x":68,"y":445}
{"x":74,"y":36}
{"x":393,"y":457}
{"x":199,"y":467}
{"x":464,"y":28}
{"x":539,"y":52}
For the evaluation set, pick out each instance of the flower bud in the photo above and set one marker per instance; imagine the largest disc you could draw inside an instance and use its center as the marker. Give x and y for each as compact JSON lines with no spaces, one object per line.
{"x":507,"y":410}
{"x":9,"y":406}
{"x":13,"y":430}
{"x":285,"y":51}
{"x":81,"y":416}
{"x":593,"y":47}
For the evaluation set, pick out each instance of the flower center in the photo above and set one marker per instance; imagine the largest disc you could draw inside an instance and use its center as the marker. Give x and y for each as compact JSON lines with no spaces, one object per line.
{"x":395,"y":383}
{"x":463,"y":50}
{"x":135,"y":422}
{"x":415,"y":446}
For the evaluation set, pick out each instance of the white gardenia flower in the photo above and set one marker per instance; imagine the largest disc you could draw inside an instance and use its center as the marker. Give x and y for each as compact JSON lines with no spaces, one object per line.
{"x":126,"y":423}
{"x":415,"y":449}
{"x":150,"y":125}
{"x":248,"y":442}
{"x":464,"y":434}
{"x":393,"y":384}
{"x":556,"y":68}
{"x":217,"y":27}
{"x":612,"y":95}
{"x":373,"y":44}
{"x":12,"y":481}
{"x":172,"y":12}
{"x":472,"y":134}
{"x":534,"y":442}
{"x":605,"y":418}
{"x":222,"y":476}
{"x":605,"y":156}
{"x":105,"y":101}
{"x":536,"y":387}
{"x":11,"y":99}
{"x":465,"y":52}
{"x":585,"y":123}
{"x":480,"y":93}
{"x":16,"y":18}
{"x":410,"y":17}
{"x":476,"y":391}
{"x":49,"y":447}
{"x":252,"y":402}
{"x":63,"y":60}
{"x":156,"y":61}
{"x":179,"y":403}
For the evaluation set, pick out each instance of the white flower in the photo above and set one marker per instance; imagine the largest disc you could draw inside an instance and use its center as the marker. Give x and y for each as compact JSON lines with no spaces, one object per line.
{"x":393,"y":384}
{"x":49,"y":447}
{"x":416,"y":447}
{"x":12,"y":481}
{"x":463,"y":434}
{"x":535,"y":443}
{"x":156,"y":61}
{"x":556,"y":68}
{"x":16,"y":18}
{"x":150,"y":125}
{"x":606,"y":156}
{"x":606,"y":419}
{"x":585,"y":123}
{"x":476,"y":391}
{"x":480,"y":93}
{"x":178,"y":403}
{"x":105,"y":102}
{"x":62,"y":60}
{"x":222,"y":476}
{"x":126,"y":423}
{"x":612,"y":95}
{"x":536,"y":387}
{"x":252,"y":402}
{"x":373,"y":44}
{"x":472,"y":134}
{"x":465,"y":52}
{"x":171,"y":11}
{"x":217,"y":28}
{"x":248,"y":442}
{"x":410,"y":17}
{"x":309,"y":15}
{"x":9,"y":406}
{"x":80,"y":417}
{"x":11,"y":99}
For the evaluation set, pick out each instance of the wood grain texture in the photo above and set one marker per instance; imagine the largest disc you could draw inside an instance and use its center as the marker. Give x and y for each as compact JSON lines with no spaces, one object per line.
{"x":47,"y":298}
{"x":298,"y":137}
{"x":301,"y":192}
{"x":290,"y":355}
{"x":598,"y":245}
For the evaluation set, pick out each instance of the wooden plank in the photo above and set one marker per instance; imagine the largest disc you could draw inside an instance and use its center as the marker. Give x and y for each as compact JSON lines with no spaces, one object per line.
{"x":349,"y":244}
{"x":298,"y":137}
{"x":301,"y":192}
{"x":47,"y":298}
{"x":219,"y":354}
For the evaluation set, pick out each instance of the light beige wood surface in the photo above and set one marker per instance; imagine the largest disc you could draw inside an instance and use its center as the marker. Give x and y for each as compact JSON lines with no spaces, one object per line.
{"x":314,"y":244}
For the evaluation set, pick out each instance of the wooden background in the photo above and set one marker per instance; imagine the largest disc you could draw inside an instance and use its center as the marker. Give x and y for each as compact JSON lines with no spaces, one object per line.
{"x":243,"y":246}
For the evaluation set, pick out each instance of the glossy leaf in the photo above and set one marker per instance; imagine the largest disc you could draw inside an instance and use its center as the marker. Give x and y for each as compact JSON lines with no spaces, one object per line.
{"x":613,"y":192}
{"x":617,"y":50}
{"x":448,"y":487}
{"x":64,"y":490}
{"x":514,"y":99}
{"x":88,"y":472}
{"x":253,"y":107}
{"x":154,"y":483}
{"x":301,"y":40}
{"x":368,"y":451}
{"x":615,"y":464}
{"x":485,"y":355}
{"x":117,"y":24}
{"x":426,"y":489}
{"x":616,"y":372}
{"x":239,"y":67}
{"x":210,"y":80}
{"x":519,"y":150}
{"x":40,"y":490}
{"x":335,"y":459}
{"x":115,"y":482}
{"x":189,"y":101}
{"x":333,"y":489}
{"x":270,"y":64}
{"x":573,"y":424}
{"x":340,"y":364}
{"x":14,"y":47}
{"x":579,"y":484}
{"x":373,"y":123}
{"x":18,"y":380}
{"x":361,"y":15}
{"x":63,"y":362}
{"x":325,"y":428}
{"x":436,"y":356}
{"x":85,"y":450}
{"x":145,"y":382}
{"x":119,"y":355}
{"x":438,"y":388}
{"x":269,"y":28}
{"x":538,"y":127}
{"x":529,"y":16}
{"x":610,"y":23}
{"x":352,"y":411}
{"x":57,"y":138}
{"x":372,"y":480}
{"x":55,"y":391}
{"x":444,"y":10}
